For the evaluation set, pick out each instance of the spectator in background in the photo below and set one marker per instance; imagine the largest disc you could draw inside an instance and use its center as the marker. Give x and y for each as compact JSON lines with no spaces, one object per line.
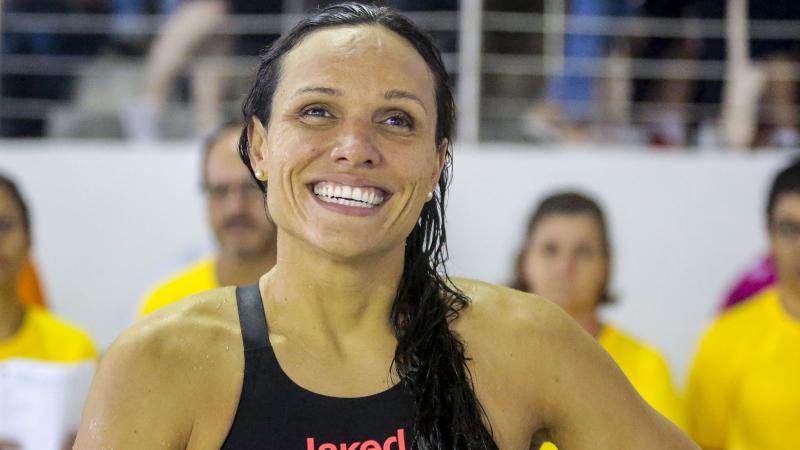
{"x":190,"y":32}
{"x":568,"y":107}
{"x":743,"y":389}
{"x":778,"y":126}
{"x":755,"y":279}
{"x":29,"y":331}
{"x":661,"y":98}
{"x":566,"y":258}
{"x":126,"y":13}
{"x":237,"y":214}
{"x":777,"y":119}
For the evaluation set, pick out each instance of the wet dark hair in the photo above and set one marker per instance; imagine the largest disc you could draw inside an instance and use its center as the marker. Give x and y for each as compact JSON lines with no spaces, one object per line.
{"x":564,"y":203}
{"x":786,"y":181}
{"x":11,"y":187}
{"x":429,"y":357}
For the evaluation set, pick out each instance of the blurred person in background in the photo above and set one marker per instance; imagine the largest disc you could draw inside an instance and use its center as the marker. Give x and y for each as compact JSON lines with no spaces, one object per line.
{"x":236,"y":211}
{"x":29,"y":331}
{"x":743,"y":390}
{"x":778,"y":58}
{"x":566,"y":258}
{"x":194,"y":31}
{"x":127,"y":14}
{"x":775,"y":74}
{"x":754,"y":279}
{"x":569,"y":107}
{"x":660,"y":98}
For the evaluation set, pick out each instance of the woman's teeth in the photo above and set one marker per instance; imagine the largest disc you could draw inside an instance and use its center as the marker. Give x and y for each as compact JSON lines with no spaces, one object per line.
{"x":362,"y":197}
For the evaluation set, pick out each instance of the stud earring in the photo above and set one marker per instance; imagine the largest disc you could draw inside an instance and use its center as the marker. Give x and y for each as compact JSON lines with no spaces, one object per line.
{"x":430,"y":196}
{"x":260,"y":174}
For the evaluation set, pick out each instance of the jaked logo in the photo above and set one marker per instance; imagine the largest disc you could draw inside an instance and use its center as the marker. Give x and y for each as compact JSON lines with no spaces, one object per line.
{"x":399,"y":440}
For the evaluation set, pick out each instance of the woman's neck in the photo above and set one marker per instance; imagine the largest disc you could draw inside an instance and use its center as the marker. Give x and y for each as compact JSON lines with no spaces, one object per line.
{"x":11,"y":311}
{"x":790,"y":299}
{"x":233,"y":270}
{"x":336,"y":296}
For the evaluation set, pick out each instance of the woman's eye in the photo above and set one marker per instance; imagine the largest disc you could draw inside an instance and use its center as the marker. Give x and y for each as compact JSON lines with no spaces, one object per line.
{"x":315,"y":111}
{"x":400,"y":120}
{"x":549,"y":250}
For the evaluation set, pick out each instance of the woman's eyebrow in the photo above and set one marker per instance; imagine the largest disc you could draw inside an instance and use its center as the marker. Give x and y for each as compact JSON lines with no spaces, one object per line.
{"x":394,"y":93}
{"x":397,"y":93}
{"x":317,"y":90}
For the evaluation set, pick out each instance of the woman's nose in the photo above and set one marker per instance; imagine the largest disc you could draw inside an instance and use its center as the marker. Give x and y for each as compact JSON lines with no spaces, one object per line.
{"x":356,"y":147}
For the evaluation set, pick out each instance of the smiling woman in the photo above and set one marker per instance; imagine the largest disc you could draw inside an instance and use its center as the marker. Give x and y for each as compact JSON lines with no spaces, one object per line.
{"x":357,"y":338}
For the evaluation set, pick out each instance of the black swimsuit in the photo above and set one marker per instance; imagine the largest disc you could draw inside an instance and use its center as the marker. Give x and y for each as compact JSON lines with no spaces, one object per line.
{"x":274,"y":413}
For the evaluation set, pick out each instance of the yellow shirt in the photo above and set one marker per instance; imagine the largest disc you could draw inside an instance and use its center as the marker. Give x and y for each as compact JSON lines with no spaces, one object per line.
{"x":197,"y":278}
{"x":647,"y":371}
{"x":45,"y":337}
{"x":744,"y":385}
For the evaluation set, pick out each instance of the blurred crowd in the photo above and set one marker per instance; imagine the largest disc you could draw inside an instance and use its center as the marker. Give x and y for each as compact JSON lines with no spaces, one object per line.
{"x":663,"y":73}
{"x":679,"y":85}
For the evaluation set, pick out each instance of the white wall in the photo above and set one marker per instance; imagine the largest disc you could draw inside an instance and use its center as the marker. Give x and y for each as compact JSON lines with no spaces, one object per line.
{"x":111,"y":219}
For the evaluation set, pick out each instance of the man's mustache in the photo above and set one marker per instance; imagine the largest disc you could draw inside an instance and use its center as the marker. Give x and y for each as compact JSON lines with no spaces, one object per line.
{"x":237,"y":221}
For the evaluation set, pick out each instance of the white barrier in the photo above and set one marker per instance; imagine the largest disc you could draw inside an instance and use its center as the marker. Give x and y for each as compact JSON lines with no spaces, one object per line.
{"x":111,"y":219}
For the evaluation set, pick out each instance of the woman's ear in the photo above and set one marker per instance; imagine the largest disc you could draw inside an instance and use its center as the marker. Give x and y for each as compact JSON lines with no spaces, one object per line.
{"x":259,"y":152}
{"x":441,"y":155}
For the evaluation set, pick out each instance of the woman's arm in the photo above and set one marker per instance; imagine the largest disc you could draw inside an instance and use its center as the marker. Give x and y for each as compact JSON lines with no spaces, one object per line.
{"x":136,"y":399}
{"x":574,"y":392}
{"x":587,"y":401}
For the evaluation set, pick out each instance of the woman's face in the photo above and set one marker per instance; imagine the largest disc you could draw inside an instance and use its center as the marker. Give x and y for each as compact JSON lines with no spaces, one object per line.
{"x":349,"y":150}
{"x":565,"y":261}
{"x":14,"y":241}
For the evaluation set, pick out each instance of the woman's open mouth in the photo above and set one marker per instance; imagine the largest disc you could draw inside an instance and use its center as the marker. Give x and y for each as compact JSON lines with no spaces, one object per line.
{"x":355,"y":196}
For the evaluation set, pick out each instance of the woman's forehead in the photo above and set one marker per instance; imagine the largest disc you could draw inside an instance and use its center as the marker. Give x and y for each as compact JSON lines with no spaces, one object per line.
{"x":566,"y":224}
{"x":8,"y":204}
{"x":368,"y":55}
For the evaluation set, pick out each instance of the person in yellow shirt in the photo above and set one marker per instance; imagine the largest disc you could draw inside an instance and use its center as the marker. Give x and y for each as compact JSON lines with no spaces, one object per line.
{"x":743,"y":387}
{"x":238,"y":216}
{"x":566,"y":258}
{"x":29,"y":331}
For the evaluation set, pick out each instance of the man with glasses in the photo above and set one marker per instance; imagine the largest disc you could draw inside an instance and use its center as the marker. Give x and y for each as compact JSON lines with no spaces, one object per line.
{"x":238,"y":216}
{"x":743,"y":390}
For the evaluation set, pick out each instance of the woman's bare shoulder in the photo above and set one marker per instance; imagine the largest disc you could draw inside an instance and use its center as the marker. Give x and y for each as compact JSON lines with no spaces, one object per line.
{"x":208,"y":311}
{"x":505,"y":311}
{"x":158,"y":375}
{"x":526,"y":348}
{"x":511,"y":332}
{"x":183,"y":329}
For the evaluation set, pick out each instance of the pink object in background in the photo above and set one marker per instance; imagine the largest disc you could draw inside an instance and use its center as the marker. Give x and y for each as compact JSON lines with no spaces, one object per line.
{"x":752,"y":281}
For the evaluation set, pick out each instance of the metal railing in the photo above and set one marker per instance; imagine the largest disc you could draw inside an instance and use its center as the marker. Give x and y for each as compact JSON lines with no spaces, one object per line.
{"x":473,"y":68}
